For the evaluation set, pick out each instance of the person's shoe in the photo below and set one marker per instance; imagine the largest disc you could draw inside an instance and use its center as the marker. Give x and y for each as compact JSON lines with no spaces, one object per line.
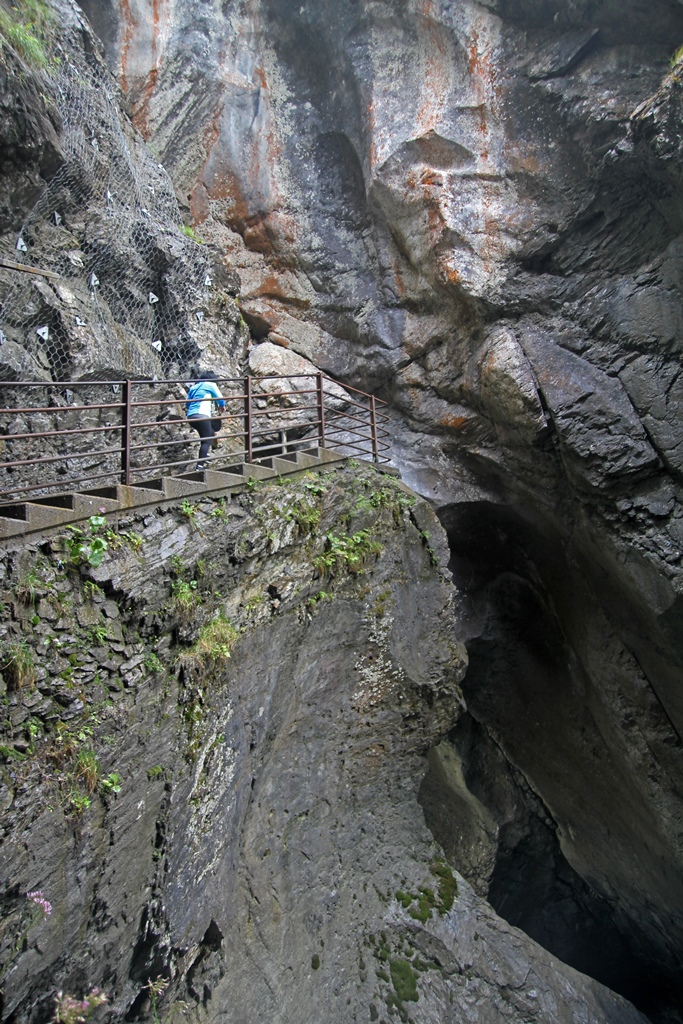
{"x":200,"y":466}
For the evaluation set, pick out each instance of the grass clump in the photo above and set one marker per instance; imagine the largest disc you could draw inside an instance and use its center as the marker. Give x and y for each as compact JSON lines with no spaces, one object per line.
{"x":184,"y":595}
{"x":447,"y":885}
{"x":87,"y":769}
{"x":347,"y":553}
{"x":153,"y":662}
{"x":28,"y":586}
{"x":305,"y":515}
{"x":426,"y":900}
{"x":190,"y":232}
{"x":404,"y":980}
{"x":17,"y":663}
{"x":27,"y":27}
{"x":213,"y":646}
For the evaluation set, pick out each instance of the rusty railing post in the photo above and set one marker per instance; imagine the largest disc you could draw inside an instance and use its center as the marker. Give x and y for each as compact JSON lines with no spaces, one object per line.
{"x":247,"y":419}
{"x":126,"y":424}
{"x":321,"y":408}
{"x":373,"y":429}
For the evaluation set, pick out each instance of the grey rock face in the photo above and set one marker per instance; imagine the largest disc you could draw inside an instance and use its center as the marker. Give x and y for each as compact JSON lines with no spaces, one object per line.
{"x":475,"y":209}
{"x":264,"y":814}
{"x":126,"y":293}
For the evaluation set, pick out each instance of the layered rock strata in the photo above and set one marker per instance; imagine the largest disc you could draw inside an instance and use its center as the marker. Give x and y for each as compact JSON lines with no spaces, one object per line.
{"x":213,"y":748}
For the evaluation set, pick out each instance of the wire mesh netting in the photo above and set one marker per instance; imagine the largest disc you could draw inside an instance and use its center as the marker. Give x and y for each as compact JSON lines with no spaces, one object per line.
{"x":132,"y":289}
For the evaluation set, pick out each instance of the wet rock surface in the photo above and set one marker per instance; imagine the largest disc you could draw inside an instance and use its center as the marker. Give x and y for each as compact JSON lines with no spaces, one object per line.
{"x":474,"y":210}
{"x":250,"y":836}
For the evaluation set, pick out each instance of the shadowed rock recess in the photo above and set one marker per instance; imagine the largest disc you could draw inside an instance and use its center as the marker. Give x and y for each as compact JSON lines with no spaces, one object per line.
{"x":474,"y":209}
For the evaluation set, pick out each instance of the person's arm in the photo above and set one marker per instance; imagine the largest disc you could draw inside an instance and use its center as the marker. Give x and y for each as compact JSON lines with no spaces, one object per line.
{"x":218,"y":397}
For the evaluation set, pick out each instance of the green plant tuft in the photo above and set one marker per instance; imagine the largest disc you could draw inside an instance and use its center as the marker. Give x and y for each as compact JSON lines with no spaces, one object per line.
{"x":213,"y":646}
{"x":17,"y":663}
{"x":28,"y":27}
{"x":346,"y":554}
{"x":111,"y":783}
{"x":27,"y":587}
{"x":190,"y":232}
{"x":185,"y":596}
{"x":404,"y":980}
{"x":87,"y":769}
{"x":153,"y":663}
{"x":189,"y":509}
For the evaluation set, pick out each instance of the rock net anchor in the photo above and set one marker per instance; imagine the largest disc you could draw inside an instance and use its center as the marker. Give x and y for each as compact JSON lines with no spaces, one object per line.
{"x":152,"y":298}
{"x":43,"y":332}
{"x":3,"y":339}
{"x":93,"y":281}
{"x":21,"y":245}
{"x":208,"y":281}
{"x":80,"y":323}
{"x":110,"y":198}
{"x":199,"y":315}
{"x":57,"y":218}
{"x":157,"y":345}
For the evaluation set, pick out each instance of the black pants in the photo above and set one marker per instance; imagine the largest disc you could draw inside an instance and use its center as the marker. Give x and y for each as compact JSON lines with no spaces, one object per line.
{"x":204,"y":427}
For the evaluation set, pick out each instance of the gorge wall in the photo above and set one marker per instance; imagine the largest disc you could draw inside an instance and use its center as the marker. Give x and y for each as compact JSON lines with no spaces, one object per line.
{"x":474,"y":210}
{"x":218,"y":791}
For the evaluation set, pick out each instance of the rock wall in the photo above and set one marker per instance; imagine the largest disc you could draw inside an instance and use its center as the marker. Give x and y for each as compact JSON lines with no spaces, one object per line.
{"x":473,"y":209}
{"x":213,"y":746}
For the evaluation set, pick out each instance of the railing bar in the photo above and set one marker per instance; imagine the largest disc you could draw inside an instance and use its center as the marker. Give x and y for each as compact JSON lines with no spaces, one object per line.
{"x":347,"y":387}
{"x":283,"y":394}
{"x":349,"y":416}
{"x":63,"y":458}
{"x":247,"y":418}
{"x":162,"y":444}
{"x":355,"y":405}
{"x":356,"y":436}
{"x":290,"y":411}
{"x":58,"y":384}
{"x":283,"y":376}
{"x":59,"y":433}
{"x":66,"y":481}
{"x":355,"y":447}
{"x":10,"y":410}
{"x":172,"y":401}
{"x":183,"y":381}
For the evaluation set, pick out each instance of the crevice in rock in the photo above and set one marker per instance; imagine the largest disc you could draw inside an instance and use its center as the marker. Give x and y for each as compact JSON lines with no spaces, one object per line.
{"x":513,"y":794}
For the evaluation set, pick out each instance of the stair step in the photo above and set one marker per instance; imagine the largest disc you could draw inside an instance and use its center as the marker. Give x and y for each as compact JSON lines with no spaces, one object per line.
{"x":129,"y":496}
{"x":304,"y":458}
{"x":80,"y":504}
{"x":212,"y":479}
{"x":37,"y":515}
{"x":12,"y":527}
{"x":324,"y":455}
{"x":249,"y":470}
{"x":175,"y":486}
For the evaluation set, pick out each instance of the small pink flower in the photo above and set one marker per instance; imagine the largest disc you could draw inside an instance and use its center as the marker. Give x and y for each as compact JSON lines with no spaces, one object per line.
{"x":103,"y":510}
{"x":40,"y":901}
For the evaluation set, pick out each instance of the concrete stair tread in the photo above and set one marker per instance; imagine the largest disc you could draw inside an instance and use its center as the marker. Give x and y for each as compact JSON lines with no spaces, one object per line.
{"x":37,"y":514}
{"x":129,"y":495}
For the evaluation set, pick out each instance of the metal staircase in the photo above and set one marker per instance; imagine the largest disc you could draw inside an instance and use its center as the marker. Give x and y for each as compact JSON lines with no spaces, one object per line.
{"x":46,"y":513}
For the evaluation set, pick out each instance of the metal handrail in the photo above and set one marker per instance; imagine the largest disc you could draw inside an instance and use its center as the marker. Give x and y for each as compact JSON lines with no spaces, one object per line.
{"x":345,"y":421}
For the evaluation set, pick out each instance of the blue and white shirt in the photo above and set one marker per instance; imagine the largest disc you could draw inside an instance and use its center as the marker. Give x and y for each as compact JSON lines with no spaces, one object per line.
{"x":200,"y":396}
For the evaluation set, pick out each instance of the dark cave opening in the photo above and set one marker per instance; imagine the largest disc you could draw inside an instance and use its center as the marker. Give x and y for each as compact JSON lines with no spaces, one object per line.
{"x":489,"y":795}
